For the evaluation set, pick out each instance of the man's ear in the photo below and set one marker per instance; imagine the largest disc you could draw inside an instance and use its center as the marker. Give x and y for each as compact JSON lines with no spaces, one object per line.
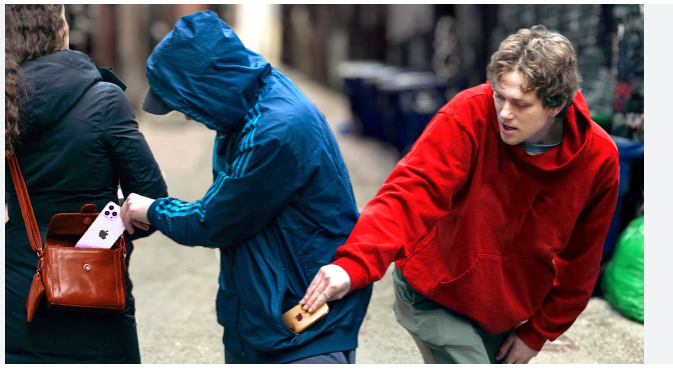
{"x":557,"y":110}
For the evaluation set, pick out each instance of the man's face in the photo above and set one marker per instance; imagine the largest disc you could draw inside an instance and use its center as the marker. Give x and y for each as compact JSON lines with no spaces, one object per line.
{"x":521,"y":116}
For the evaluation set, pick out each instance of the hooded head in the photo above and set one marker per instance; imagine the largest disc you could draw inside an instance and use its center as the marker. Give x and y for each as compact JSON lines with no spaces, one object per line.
{"x":202,"y":69}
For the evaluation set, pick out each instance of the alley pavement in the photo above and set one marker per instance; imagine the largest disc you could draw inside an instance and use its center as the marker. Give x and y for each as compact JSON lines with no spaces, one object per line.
{"x":175,"y":286}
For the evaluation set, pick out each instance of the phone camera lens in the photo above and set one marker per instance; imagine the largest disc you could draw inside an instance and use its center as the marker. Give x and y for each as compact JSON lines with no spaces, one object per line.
{"x":107,"y":213}
{"x":111,"y":207}
{"x":114,"y":214}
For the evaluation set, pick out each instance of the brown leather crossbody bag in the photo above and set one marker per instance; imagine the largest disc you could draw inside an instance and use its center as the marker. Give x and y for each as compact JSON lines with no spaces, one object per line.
{"x":89,"y":278}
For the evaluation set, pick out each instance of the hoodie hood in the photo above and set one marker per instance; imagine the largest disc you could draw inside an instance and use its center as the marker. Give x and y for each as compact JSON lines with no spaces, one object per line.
{"x":53,"y":84}
{"x":202,"y":69}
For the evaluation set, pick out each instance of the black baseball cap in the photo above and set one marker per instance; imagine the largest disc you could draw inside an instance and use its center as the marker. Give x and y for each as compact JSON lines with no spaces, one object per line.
{"x":154,"y":105}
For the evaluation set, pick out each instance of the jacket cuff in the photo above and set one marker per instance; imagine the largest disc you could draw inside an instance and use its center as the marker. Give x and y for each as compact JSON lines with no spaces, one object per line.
{"x":354,"y":270}
{"x":532,"y":338}
{"x":152,"y":212}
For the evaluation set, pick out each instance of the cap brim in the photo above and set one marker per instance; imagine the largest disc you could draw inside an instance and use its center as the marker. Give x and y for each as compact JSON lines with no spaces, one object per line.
{"x":154,"y":105}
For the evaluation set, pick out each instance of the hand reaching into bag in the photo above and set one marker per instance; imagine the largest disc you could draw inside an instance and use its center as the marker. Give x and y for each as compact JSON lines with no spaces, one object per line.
{"x":331,"y":283}
{"x":134,"y":212}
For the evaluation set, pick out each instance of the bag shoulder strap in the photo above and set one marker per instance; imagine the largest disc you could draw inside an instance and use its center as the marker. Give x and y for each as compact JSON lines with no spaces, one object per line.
{"x":26,"y":207}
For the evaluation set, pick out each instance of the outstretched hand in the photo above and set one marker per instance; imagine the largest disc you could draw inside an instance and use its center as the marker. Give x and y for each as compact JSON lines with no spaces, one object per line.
{"x":331,"y":283}
{"x":134,"y":212}
{"x":515,"y":351}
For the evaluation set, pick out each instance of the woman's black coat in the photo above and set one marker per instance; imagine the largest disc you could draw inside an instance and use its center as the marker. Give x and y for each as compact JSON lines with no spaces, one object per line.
{"x":81,"y":142}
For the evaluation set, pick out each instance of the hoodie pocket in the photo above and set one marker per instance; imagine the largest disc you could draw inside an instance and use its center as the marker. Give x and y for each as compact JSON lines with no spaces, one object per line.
{"x":497,"y":292}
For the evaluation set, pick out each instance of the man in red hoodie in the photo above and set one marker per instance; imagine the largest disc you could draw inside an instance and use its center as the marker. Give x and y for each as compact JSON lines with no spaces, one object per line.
{"x":497,"y":216}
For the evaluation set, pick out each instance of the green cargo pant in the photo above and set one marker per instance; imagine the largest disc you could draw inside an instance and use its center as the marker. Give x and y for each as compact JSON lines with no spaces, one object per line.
{"x":442,"y":335}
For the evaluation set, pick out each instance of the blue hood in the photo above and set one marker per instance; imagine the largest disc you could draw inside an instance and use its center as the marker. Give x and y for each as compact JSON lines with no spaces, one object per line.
{"x":202,"y":69}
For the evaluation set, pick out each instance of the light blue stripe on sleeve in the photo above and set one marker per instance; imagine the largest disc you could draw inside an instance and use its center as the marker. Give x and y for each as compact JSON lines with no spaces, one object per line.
{"x":213,"y":190}
{"x":246,"y":146}
{"x":197,"y":207}
{"x":250,"y":151}
{"x":176,"y":208}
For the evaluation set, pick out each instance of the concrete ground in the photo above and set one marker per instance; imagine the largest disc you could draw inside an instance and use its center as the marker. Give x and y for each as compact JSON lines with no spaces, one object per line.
{"x":175,"y":286}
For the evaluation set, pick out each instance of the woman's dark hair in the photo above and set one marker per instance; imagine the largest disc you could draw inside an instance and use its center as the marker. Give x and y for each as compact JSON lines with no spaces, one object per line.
{"x":31,"y":31}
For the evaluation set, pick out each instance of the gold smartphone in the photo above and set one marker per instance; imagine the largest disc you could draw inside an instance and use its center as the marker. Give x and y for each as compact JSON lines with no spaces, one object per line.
{"x":298,"y":320}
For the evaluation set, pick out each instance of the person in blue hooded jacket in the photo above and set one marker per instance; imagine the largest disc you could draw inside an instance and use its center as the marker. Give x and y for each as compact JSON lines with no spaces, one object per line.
{"x":281,"y":201}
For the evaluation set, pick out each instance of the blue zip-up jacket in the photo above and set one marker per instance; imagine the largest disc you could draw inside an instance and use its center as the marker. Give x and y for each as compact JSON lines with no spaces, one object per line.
{"x":281,"y":203}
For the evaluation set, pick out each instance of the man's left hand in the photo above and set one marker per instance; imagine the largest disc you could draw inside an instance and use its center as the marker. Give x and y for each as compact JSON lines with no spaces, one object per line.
{"x":134,"y":212}
{"x":515,"y":351}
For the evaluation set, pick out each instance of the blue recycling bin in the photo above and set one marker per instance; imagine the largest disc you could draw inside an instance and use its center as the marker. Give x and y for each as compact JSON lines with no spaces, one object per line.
{"x":373,"y":123}
{"x":629,"y":152}
{"x":408,"y":102}
{"x":353,"y":73}
{"x":360,"y":83}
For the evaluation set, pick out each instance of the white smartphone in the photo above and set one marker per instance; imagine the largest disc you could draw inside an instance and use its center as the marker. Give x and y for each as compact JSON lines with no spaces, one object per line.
{"x":105,"y":229}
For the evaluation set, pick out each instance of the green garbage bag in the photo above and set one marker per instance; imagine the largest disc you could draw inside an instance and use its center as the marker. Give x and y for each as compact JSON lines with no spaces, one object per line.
{"x":624,"y":278}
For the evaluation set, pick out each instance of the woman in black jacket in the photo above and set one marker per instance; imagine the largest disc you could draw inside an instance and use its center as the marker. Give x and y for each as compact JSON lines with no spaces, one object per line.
{"x":76,"y":139}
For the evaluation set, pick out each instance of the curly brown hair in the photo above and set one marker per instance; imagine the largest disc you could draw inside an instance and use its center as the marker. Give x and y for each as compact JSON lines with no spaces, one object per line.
{"x":31,"y":31}
{"x":546,"y":60}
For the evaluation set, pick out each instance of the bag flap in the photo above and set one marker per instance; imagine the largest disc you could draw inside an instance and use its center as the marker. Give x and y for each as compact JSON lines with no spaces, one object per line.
{"x":89,"y":208}
{"x":64,"y":227}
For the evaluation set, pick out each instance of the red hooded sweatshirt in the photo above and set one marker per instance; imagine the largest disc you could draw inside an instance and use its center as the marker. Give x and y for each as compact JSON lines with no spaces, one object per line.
{"x":508,"y":239}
